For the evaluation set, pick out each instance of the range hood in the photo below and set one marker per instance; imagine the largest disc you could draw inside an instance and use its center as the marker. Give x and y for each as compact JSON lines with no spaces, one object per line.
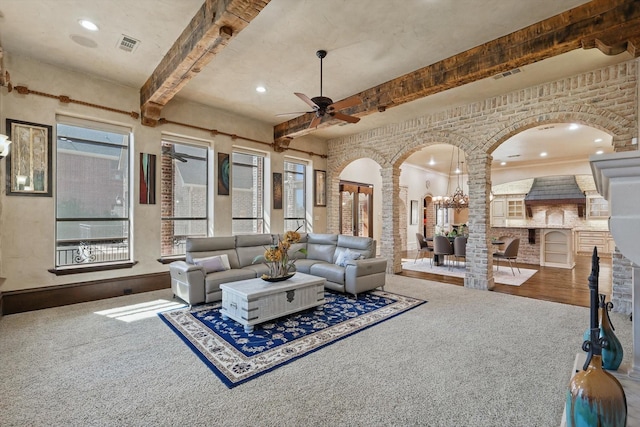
{"x":556,"y":190}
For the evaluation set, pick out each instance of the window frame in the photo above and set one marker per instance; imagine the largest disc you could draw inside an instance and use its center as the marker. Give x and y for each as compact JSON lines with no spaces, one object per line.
{"x":515,"y":208}
{"x":82,"y":251}
{"x":207,"y":218}
{"x":260,"y":221}
{"x":602,"y":213}
{"x":304,"y":165}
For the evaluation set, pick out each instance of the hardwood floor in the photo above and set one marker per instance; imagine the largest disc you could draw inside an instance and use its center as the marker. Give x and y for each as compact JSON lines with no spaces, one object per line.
{"x":549,"y":284}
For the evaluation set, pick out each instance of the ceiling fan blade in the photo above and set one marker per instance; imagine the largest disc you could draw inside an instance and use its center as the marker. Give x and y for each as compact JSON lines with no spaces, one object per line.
{"x":346,"y":103}
{"x":315,"y":122}
{"x":306,"y":99}
{"x":344,"y":117}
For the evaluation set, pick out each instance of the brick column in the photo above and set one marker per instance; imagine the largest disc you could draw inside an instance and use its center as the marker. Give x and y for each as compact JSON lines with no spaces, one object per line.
{"x":390,"y":241}
{"x":479,"y":260}
{"x":166,"y":202}
{"x":333,"y":202}
{"x":622,"y":283}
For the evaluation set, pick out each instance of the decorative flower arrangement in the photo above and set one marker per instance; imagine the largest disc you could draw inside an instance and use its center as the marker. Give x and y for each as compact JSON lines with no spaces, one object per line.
{"x":277,"y":257}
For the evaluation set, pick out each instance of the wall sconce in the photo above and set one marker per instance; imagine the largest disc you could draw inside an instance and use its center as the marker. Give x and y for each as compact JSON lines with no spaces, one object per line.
{"x":4,"y":146}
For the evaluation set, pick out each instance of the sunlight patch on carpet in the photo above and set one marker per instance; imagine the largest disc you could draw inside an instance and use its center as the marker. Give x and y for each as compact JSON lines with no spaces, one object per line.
{"x":503,"y":276}
{"x":132,"y":312}
{"x":236,"y":356}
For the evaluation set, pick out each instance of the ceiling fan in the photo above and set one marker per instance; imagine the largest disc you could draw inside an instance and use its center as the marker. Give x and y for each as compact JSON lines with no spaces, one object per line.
{"x":322,"y":105}
{"x":181,"y":157}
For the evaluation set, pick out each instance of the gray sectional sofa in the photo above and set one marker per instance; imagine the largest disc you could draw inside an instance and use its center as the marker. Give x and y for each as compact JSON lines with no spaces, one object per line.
{"x":211,"y":261}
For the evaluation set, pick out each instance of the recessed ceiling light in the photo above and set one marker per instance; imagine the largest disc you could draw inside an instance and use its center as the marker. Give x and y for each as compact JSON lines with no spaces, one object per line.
{"x":261,"y":89}
{"x":573,"y":126}
{"x":597,"y":140}
{"x":432,"y":162}
{"x":503,"y":163}
{"x":599,"y":152}
{"x":88,"y":24}
{"x":543,"y":154}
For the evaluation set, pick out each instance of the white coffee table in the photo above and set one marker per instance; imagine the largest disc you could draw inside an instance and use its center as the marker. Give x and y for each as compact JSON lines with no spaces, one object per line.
{"x":254,"y":301}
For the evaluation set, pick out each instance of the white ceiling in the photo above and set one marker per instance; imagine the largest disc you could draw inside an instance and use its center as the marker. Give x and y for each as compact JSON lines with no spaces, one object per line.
{"x":369,"y":42}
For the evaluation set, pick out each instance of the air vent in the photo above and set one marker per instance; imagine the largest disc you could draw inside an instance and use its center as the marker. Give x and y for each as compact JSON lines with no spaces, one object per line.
{"x":128,"y":44}
{"x":507,"y":73}
{"x":547,"y":127}
{"x":513,"y":155}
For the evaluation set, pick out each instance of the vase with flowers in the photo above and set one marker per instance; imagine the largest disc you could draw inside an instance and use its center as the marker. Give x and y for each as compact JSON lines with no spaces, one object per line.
{"x":280,"y":263}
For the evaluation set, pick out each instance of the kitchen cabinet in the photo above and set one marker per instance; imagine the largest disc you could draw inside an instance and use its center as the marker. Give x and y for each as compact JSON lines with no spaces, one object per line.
{"x":556,"y":248}
{"x":498,"y":212}
{"x":586,"y":240}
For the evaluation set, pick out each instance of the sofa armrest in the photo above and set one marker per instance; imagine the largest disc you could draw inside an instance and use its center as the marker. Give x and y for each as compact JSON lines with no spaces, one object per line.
{"x":184,"y":267}
{"x":364,"y":274}
{"x":187,"y":281}
{"x":364,"y":267}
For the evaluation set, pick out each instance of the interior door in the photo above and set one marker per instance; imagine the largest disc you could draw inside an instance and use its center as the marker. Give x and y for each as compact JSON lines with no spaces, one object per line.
{"x":356,"y":209}
{"x":346,"y":213}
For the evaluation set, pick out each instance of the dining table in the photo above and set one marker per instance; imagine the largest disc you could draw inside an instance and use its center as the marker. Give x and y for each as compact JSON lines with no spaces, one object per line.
{"x":437,"y":260}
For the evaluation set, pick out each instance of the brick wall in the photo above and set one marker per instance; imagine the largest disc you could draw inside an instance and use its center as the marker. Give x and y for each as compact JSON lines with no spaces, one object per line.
{"x":166,"y":204}
{"x":605,"y":99}
{"x":528,"y":253}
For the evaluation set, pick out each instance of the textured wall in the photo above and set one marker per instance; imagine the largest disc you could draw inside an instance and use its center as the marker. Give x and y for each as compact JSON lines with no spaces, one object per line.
{"x":605,"y":99}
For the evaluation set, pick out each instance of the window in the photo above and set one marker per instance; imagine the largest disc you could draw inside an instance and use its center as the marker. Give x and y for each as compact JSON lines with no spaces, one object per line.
{"x":184,"y":190}
{"x":92,"y":194}
{"x":295,"y":196}
{"x":515,"y":209}
{"x":247,"y":193}
{"x":598,"y":207}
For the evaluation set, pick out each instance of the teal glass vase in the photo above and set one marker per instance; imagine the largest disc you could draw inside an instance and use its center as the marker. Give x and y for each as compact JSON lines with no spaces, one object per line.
{"x":612,"y":351}
{"x":595,"y":398}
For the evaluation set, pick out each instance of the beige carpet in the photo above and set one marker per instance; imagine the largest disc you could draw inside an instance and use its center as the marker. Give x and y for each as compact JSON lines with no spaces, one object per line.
{"x":466,"y":358}
{"x":503,"y":275}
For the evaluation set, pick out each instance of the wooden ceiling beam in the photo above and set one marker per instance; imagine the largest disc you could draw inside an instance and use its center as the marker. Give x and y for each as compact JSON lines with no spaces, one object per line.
{"x":611,"y":26}
{"x":210,"y":30}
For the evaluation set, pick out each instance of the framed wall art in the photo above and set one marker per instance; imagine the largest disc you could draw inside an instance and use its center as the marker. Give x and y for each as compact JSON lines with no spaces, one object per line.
{"x":277,"y":190}
{"x":29,"y":161}
{"x":223,"y":174}
{"x":414,"y":212}
{"x":320,"y":188}
{"x":147,"y":179}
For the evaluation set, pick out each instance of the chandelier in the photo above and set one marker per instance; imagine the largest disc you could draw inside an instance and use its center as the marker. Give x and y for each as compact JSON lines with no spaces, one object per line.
{"x":456,"y":200}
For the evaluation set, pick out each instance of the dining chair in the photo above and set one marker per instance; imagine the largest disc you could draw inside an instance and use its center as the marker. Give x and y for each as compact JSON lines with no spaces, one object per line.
{"x":510,"y":253}
{"x":442,"y":248}
{"x":504,"y":240}
{"x":423,"y":247}
{"x":460,"y":248}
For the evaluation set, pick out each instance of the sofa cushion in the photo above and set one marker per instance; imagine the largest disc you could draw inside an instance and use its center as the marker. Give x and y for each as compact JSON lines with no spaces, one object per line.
{"x":203,"y":247}
{"x":331,"y":272}
{"x":213,"y":263}
{"x":365,"y":246}
{"x":259,"y":269}
{"x":304,"y":265}
{"x":214,"y":280}
{"x":346,"y":255}
{"x":250,"y":246}
{"x":322,"y":247}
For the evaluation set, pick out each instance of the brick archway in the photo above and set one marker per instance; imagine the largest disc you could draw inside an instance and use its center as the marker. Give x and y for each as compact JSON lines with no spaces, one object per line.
{"x":605,"y":98}
{"x":621,"y":128}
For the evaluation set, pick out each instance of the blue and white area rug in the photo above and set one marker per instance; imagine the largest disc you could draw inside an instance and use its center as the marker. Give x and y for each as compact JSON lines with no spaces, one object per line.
{"x":236,"y":356}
